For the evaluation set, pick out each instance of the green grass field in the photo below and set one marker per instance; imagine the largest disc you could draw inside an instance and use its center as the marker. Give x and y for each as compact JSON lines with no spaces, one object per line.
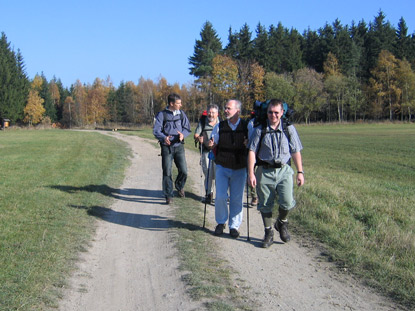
{"x":358,"y":199}
{"x":47,"y":192}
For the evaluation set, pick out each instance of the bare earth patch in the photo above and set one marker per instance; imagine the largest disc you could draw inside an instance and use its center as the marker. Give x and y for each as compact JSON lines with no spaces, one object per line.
{"x":132,"y":263}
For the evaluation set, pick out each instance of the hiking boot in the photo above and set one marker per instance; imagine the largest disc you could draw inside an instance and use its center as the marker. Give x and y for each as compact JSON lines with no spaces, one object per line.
{"x":268,"y":238}
{"x":282,"y":228}
{"x":219,"y":229}
{"x":169,"y":200}
{"x":181,"y":193}
{"x":254,"y":202}
{"x":234,"y":233}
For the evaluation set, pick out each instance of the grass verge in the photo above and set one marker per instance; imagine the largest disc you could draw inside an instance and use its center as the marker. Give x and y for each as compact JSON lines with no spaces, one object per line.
{"x":359,"y":200}
{"x":50,"y":181}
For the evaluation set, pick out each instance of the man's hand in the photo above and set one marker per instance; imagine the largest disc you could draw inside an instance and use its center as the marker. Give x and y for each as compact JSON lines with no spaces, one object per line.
{"x":167,"y":140}
{"x":300,"y":179}
{"x":181,"y":136}
{"x":211,"y":143}
{"x":252,"y":180}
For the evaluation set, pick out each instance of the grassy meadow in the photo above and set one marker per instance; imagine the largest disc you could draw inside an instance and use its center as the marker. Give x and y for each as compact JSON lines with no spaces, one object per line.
{"x":359,"y":200}
{"x":50,"y":183}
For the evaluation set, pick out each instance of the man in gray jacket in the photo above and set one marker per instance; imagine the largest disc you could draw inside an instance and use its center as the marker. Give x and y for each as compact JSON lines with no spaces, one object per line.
{"x":171,"y":127}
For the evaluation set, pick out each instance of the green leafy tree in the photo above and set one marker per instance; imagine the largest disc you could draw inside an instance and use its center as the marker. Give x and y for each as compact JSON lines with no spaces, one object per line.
{"x":309,"y":92}
{"x":279,"y":86}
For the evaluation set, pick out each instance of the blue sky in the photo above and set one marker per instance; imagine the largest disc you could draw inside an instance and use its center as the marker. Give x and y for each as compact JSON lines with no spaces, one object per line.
{"x":127,"y":39}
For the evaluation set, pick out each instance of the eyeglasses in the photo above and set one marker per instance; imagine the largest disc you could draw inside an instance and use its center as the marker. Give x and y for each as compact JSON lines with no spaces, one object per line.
{"x":274,"y":112}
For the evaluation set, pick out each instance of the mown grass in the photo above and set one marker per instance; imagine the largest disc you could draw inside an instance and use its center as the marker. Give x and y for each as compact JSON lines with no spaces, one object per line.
{"x":47,"y":191}
{"x":359,"y":200}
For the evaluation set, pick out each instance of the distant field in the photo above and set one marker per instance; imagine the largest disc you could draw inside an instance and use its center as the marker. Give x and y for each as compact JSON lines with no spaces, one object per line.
{"x":359,"y":199}
{"x":50,"y":182}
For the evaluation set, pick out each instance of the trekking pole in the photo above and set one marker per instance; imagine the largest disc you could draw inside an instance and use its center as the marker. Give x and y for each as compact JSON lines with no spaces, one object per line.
{"x":201,"y":166}
{"x":247,"y":208}
{"x":206,"y":190}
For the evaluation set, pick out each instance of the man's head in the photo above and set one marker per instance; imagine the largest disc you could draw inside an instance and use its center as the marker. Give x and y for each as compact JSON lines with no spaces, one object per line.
{"x":233,"y":109}
{"x":275,"y":111}
{"x":174,"y":101}
{"x":212,"y":112}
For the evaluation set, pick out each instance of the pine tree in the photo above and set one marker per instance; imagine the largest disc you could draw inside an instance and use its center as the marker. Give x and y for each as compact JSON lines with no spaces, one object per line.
{"x":14,"y":85}
{"x":204,"y":52}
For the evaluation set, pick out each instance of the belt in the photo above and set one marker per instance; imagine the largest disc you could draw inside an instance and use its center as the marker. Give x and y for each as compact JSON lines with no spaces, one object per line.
{"x":276,"y":165}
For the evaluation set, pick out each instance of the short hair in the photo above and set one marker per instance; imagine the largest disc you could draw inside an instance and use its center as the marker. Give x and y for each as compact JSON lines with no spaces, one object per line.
{"x":276,"y":102}
{"x":212,"y":106}
{"x":172,"y":98}
{"x":238,"y":104}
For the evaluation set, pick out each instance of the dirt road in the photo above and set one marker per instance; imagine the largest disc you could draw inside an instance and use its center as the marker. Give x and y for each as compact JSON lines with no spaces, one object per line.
{"x":132,"y":263}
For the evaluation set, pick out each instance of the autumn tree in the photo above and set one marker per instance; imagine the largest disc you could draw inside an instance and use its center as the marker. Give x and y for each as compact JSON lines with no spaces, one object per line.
{"x":406,"y":82}
{"x":256,"y":82}
{"x":80,"y":111}
{"x":334,"y":84}
{"x":96,"y":101}
{"x":67,"y":111}
{"x":224,"y":77}
{"x":384,"y":82}
{"x":34,"y":109}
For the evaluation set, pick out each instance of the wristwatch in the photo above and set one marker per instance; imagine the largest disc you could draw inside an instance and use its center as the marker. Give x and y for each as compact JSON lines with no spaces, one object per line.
{"x":300,"y":172}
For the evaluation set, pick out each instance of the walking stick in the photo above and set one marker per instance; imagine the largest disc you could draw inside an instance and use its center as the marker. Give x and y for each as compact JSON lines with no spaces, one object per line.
{"x":206,"y":189}
{"x":247,"y":208}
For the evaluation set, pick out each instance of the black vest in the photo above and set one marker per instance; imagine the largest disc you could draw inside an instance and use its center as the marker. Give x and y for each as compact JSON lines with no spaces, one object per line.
{"x":231,"y":152}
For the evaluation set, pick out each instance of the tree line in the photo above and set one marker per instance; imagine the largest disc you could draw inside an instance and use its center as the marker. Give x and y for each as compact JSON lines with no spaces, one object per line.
{"x":336,"y":73}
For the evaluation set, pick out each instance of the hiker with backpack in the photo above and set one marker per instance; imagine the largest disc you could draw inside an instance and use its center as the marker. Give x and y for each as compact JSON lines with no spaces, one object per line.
{"x":271,"y":147}
{"x":202,"y":135}
{"x":171,"y":127}
{"x":229,"y":139}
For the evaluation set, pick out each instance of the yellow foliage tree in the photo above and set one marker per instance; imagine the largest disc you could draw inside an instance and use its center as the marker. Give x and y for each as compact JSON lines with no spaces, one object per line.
{"x":34,"y":109}
{"x":257,"y":82}
{"x":224,"y":77}
{"x":385,"y":82}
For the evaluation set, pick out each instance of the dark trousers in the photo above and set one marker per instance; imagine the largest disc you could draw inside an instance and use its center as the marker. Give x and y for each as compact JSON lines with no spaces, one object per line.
{"x":168,"y":155}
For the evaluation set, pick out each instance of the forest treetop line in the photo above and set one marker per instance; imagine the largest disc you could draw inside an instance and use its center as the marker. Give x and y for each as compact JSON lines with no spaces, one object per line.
{"x":333,"y":73}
